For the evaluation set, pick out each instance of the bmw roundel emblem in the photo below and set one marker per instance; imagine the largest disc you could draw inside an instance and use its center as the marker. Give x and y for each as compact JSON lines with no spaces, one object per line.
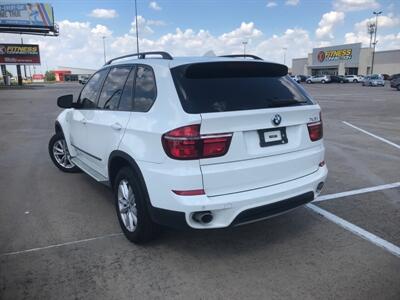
{"x":276,"y":120}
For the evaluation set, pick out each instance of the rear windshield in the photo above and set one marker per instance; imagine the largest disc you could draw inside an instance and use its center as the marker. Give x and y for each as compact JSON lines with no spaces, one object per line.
{"x":233,"y":86}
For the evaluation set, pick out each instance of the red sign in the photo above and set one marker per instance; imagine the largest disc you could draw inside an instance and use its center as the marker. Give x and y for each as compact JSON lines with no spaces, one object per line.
{"x":19,"y":54}
{"x":321,"y":56}
{"x":37,"y":76}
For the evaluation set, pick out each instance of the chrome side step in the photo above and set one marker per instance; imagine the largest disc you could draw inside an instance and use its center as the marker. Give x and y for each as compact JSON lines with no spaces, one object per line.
{"x":90,"y":171}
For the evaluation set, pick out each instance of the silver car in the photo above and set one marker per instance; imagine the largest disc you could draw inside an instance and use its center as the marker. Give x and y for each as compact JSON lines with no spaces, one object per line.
{"x":319,"y":79}
{"x":373,"y":80}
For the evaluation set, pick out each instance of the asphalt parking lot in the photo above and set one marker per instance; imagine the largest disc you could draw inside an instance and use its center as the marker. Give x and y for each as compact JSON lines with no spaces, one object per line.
{"x":60,"y":239}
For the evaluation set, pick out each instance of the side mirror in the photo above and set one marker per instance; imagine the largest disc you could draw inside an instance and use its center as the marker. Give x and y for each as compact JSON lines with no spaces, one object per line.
{"x":65,"y":101}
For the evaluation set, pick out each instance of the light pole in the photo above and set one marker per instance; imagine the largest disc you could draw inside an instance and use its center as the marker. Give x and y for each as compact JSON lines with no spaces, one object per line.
{"x":284,"y":55}
{"x":244,"y":49}
{"x":375,"y":41}
{"x":104,"y":48}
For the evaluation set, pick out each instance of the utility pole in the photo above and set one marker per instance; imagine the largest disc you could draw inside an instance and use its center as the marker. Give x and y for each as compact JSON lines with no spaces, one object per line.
{"x":137,"y":31}
{"x":284,"y":55}
{"x":104,"y":49}
{"x":244,"y":49}
{"x":371,"y":31}
{"x":375,"y":41}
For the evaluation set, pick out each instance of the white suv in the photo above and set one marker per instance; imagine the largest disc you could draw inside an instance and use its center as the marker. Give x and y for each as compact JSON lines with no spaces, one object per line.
{"x":202,"y":143}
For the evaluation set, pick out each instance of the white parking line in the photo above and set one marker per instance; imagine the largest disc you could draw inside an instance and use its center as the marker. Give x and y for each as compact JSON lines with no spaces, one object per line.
{"x":359,"y":191}
{"x":357,"y":230}
{"x":373,"y":135}
{"x":61,"y":245}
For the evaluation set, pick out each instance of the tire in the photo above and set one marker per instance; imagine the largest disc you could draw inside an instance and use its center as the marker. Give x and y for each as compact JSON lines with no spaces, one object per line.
{"x":355,"y":81}
{"x":59,"y":154}
{"x":308,"y":81}
{"x":322,"y":81}
{"x":131,"y":197}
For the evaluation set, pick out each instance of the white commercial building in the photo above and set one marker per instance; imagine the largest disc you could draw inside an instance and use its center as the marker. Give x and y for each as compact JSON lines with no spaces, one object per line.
{"x":349,"y":59}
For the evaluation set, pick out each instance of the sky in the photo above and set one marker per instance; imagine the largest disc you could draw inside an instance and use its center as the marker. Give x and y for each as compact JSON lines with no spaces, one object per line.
{"x":193,"y":27}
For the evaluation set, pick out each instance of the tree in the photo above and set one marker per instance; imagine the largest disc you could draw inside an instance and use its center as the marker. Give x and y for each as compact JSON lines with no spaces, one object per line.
{"x":49,"y":76}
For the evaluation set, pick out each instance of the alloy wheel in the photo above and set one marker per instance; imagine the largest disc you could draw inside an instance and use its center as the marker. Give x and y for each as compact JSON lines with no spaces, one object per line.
{"x":127,"y":205}
{"x":61,"y":154}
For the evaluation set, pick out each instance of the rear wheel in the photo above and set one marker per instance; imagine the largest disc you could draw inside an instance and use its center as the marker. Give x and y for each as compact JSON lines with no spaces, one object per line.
{"x":59,"y":154}
{"x":131,"y":207}
{"x":322,"y":81}
{"x":308,"y":81}
{"x":355,"y":80}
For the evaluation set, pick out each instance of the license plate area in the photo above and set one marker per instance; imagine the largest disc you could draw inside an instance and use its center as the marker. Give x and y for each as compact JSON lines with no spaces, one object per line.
{"x":273,"y":136}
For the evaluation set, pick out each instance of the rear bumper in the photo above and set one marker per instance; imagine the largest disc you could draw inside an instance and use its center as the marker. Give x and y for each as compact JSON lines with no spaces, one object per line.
{"x":239,"y":208}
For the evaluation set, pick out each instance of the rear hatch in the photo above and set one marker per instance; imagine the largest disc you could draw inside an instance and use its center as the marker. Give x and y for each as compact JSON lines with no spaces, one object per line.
{"x":266,"y":112}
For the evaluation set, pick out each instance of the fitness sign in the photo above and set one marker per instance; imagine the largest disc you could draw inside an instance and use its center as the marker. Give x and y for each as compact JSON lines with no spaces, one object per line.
{"x":332,"y":55}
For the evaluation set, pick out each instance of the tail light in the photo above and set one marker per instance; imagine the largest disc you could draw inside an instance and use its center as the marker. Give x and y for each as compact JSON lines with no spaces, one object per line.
{"x":187,"y":143}
{"x":315,"y":130}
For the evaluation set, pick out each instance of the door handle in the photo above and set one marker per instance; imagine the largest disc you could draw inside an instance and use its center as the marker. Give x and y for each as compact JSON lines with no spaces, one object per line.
{"x":116,"y":126}
{"x":84,"y":121}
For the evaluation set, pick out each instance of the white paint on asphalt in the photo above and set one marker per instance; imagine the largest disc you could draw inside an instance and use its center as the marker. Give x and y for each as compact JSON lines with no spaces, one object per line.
{"x":371,"y":134}
{"x":359,"y":191}
{"x":357,"y":230}
{"x":61,"y":245}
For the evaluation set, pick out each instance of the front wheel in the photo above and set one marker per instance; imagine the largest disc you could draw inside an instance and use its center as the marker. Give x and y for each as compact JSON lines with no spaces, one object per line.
{"x":131,"y":207}
{"x":59,"y":154}
{"x":323,"y":81}
{"x":355,"y":81}
{"x":308,"y":81}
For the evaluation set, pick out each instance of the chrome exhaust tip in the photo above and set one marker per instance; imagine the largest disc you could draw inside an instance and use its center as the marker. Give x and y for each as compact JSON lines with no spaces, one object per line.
{"x":202,"y":217}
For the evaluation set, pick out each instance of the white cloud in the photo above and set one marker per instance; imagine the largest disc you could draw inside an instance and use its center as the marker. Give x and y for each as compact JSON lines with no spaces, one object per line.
{"x":388,"y":21}
{"x":154,"y":5}
{"x":103,"y":13}
{"x":271,"y":4}
{"x":328,"y":22}
{"x":101,"y":30}
{"x":145,"y":26}
{"x":385,"y":41}
{"x":292,"y":2}
{"x":352,"y":5}
{"x":246,"y":31}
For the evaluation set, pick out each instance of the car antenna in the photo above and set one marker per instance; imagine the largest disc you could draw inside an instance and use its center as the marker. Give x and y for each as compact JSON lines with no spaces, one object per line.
{"x":137,"y":32}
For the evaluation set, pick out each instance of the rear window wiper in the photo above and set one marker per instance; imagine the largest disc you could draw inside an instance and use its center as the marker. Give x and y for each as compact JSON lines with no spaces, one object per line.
{"x":284,"y":102}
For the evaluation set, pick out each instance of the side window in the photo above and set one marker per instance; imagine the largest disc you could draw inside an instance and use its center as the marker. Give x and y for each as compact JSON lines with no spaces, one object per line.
{"x":112,"y":88}
{"x":126,"y":102}
{"x":145,"y":89}
{"x":91,"y":90}
{"x":140,"y":92}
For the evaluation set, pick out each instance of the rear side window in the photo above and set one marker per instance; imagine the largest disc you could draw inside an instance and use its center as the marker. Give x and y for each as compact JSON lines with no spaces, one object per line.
{"x":91,"y":90}
{"x":233,"y":86}
{"x":112,"y":88}
{"x":140,"y":90}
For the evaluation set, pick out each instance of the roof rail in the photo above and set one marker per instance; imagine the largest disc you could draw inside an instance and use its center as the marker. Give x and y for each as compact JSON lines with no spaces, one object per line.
{"x":243,"y":56}
{"x":142,"y":55}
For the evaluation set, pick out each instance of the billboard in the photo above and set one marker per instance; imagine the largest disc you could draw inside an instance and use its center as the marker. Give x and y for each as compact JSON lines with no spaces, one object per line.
{"x":19,"y":54}
{"x":35,"y":17}
{"x":332,"y":56}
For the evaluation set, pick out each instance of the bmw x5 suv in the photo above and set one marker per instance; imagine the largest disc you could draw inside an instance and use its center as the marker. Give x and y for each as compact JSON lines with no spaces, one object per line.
{"x":206,"y":142}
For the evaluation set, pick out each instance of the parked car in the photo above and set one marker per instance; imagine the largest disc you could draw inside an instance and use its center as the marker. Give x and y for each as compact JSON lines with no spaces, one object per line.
{"x":303,"y":78}
{"x":394,"y":76}
{"x":373,"y":80}
{"x":395,"y":83}
{"x":186,"y":142}
{"x":319,"y":79}
{"x":296,"y":78}
{"x":339,"y":78}
{"x":354,"y":78}
{"x":83,"y":80}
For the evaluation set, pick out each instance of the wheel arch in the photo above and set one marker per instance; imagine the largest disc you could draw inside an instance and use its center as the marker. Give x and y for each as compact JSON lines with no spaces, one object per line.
{"x":119,"y":159}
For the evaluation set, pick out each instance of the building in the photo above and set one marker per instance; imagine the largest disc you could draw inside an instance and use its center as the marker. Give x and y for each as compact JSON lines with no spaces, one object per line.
{"x":349,"y":59}
{"x":72,"y":74}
